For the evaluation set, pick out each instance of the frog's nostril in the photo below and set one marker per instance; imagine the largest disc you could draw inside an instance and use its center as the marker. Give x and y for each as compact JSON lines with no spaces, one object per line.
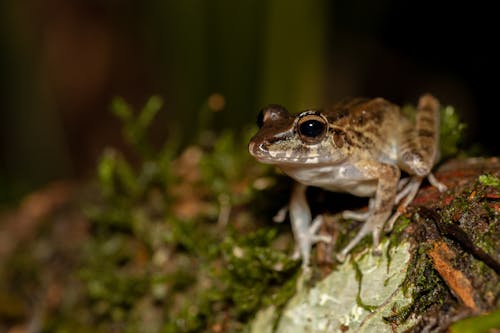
{"x":256,"y":149}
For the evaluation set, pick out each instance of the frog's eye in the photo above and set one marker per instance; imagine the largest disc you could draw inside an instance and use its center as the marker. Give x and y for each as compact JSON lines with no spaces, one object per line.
{"x":312,"y":128}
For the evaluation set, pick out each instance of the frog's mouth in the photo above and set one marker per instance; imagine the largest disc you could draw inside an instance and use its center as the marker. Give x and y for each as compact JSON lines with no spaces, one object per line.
{"x":263,"y":155}
{"x":291,"y":156}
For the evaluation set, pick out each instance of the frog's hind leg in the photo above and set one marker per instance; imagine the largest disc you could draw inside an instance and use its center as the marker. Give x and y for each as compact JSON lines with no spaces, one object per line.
{"x":418,"y":153}
{"x":419,"y":144}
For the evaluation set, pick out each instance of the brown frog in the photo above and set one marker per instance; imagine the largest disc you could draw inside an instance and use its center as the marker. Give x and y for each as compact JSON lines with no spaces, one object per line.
{"x":360,"y":147}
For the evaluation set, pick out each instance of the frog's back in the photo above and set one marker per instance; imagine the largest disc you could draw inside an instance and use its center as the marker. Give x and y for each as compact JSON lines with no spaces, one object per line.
{"x":367,"y":127}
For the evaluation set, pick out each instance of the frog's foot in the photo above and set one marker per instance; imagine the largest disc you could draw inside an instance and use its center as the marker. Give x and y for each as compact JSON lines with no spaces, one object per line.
{"x":405,"y":191}
{"x":408,"y":193}
{"x":305,"y":240}
{"x":373,"y":226}
{"x":404,"y":186}
{"x":404,"y":198}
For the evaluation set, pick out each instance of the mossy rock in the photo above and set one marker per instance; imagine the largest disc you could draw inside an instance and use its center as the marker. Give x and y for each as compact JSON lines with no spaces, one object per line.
{"x":441,"y":267}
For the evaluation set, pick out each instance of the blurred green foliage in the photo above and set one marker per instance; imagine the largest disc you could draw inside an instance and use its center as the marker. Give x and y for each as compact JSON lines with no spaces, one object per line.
{"x":189,"y":273}
{"x":490,"y":180}
{"x":451,"y":133}
{"x":479,"y":324}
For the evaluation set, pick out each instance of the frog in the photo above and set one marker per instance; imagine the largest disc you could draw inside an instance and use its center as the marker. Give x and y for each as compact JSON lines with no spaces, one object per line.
{"x":360,"y":146}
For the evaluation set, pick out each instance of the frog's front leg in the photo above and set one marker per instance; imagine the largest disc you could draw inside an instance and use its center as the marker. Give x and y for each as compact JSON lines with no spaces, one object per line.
{"x":380,"y":206}
{"x":304,"y":230}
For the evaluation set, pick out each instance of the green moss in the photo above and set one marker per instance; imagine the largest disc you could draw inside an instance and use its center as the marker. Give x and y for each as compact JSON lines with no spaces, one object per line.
{"x":490,"y":180}
{"x":359,"y":279}
{"x":477,"y":217}
{"x":395,"y":236}
{"x":401,"y":314}
{"x":146,"y":262}
{"x":256,"y":273}
{"x":136,"y":127}
{"x":424,"y":283}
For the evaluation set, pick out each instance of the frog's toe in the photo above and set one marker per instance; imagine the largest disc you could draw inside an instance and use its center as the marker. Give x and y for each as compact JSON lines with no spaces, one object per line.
{"x":341,"y":257}
{"x":281,"y":215}
{"x":371,"y":226}
{"x":390,"y":223}
{"x":365,"y":230}
{"x":312,"y":232}
{"x":436,"y":183}
{"x":321,"y":238}
{"x":356,"y":216}
{"x":376,"y":250}
{"x":359,"y":215}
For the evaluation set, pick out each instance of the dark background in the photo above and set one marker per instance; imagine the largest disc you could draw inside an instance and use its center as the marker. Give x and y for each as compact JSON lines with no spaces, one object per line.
{"x":61,"y":63}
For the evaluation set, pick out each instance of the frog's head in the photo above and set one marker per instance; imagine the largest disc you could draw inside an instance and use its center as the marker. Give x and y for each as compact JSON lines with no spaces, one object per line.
{"x":304,"y":139}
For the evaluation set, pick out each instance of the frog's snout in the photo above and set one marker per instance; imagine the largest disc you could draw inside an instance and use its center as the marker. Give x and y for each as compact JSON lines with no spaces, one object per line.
{"x":256,"y":149}
{"x":251,"y":146}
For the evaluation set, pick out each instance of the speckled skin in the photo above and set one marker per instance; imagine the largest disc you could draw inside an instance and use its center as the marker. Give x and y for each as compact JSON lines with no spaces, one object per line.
{"x":360,"y":147}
